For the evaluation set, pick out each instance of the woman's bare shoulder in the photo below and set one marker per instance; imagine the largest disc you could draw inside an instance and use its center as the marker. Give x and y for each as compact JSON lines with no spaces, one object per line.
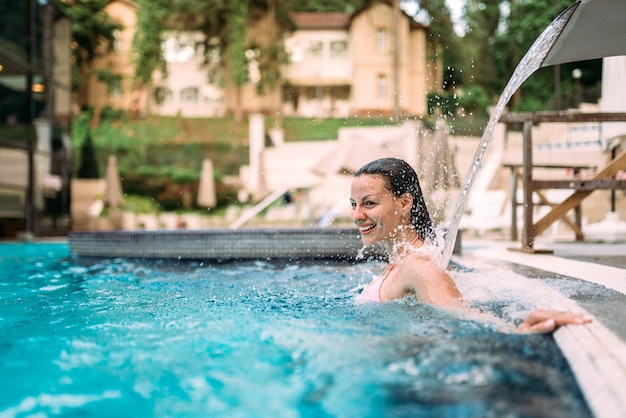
{"x":423,"y":277}
{"x":422,"y":266}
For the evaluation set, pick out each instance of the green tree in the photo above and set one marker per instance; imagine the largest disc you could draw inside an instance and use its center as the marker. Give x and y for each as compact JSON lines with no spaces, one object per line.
{"x":236,"y":49}
{"x":147,"y":55}
{"x":482,"y":19}
{"x":526,"y":21}
{"x":226,"y":25}
{"x":93,"y":32}
{"x":88,"y":168}
{"x":444,"y":43}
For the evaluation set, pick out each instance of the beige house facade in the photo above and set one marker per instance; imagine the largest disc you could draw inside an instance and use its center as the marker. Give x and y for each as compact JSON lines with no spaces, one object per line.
{"x":110,"y":78}
{"x":372,"y":62}
{"x":190,"y":88}
{"x":345,"y":64}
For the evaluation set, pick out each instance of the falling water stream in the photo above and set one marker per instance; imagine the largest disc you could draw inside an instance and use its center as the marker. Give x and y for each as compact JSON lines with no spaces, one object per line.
{"x":531,"y":62}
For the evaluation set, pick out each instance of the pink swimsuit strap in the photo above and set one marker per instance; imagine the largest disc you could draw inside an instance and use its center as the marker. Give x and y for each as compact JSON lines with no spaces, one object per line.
{"x":372,"y":292}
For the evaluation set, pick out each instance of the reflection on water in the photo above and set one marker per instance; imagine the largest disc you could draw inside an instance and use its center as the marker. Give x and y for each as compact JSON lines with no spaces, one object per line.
{"x":257,"y":339}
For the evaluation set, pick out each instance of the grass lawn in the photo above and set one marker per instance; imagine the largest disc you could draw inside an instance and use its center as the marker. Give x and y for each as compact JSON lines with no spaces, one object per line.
{"x":159,"y":141}
{"x":159,"y":157}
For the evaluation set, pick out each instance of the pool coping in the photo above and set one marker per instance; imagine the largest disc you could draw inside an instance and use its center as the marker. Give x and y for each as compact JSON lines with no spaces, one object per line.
{"x":222,"y":244}
{"x":595,"y":354}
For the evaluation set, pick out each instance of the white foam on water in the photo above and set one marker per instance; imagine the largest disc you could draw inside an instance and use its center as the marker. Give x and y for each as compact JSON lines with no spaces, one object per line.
{"x":55,"y":403}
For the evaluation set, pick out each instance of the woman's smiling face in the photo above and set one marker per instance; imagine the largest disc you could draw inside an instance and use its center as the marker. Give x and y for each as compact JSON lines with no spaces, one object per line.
{"x":375,"y":210}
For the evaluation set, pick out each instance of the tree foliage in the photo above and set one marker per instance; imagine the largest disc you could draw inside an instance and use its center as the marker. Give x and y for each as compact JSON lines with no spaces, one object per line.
{"x":442,"y":39}
{"x":88,"y":168}
{"x":93,"y":32}
{"x":482,"y":21}
{"x":225,"y":24}
{"x":148,"y":38}
{"x":496,"y":42}
{"x":236,"y":41}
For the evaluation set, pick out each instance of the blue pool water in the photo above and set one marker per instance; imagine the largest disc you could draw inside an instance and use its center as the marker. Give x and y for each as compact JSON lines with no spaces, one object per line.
{"x":124,"y":337}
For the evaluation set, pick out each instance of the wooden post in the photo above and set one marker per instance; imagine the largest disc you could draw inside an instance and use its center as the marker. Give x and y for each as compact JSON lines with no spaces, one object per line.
{"x":527,"y":182}
{"x":513,"y":204}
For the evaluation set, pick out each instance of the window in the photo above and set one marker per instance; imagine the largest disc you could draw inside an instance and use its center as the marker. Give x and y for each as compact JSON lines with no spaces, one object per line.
{"x":381,"y":40}
{"x":186,"y":49}
{"x":340,"y":92}
{"x":117,"y":40}
{"x":338,"y":48}
{"x":115,"y":87}
{"x":381,"y":85}
{"x":162,"y":95}
{"x":254,"y":71}
{"x":315,"y":48}
{"x":179,"y":48}
{"x":189,"y":95}
{"x":311,"y":92}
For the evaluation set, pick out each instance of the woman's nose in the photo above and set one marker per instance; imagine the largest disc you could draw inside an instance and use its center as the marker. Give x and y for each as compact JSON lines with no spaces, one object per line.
{"x":357,"y":214}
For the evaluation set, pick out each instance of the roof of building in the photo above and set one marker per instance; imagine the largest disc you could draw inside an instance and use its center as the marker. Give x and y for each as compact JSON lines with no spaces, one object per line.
{"x":335,"y":20}
{"x":129,"y":3}
{"x":314,"y":20}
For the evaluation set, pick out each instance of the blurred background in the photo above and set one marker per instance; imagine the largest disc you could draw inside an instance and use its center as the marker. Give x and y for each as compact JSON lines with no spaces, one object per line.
{"x":160,"y":114}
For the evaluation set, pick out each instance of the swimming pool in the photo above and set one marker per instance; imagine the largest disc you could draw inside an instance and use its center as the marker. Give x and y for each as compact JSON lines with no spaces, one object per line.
{"x":100,"y":337}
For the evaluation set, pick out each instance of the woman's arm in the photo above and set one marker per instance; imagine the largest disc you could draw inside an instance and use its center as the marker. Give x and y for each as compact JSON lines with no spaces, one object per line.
{"x":430,"y":284}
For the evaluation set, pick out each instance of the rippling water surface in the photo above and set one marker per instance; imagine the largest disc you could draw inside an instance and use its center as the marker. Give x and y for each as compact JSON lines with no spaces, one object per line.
{"x":260,"y":339}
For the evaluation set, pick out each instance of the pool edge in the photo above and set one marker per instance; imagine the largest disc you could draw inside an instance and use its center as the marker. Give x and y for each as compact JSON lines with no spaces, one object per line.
{"x":594,"y":353}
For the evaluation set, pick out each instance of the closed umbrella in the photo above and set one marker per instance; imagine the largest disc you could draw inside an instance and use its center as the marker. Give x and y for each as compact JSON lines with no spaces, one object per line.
{"x":113,"y":196}
{"x":206,"y":189}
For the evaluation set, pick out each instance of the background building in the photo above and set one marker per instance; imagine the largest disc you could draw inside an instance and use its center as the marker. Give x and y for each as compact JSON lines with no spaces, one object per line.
{"x":370,"y":62}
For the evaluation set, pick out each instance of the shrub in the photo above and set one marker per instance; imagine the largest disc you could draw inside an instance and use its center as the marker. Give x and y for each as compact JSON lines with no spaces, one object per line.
{"x":447,"y":102}
{"x":474,"y":100}
{"x":88,"y":168}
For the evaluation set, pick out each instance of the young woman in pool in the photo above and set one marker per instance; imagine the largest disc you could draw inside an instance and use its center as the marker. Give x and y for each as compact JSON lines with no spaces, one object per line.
{"x":388,"y":207}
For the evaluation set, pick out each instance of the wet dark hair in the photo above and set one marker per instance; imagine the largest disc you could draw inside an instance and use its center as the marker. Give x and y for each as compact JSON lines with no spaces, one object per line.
{"x":400,"y":178}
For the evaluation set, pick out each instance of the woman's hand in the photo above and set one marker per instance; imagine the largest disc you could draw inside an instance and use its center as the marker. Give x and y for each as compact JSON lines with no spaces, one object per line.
{"x":543,"y":320}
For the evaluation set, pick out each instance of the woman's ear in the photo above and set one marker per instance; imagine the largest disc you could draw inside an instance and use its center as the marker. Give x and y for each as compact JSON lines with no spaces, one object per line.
{"x":406,"y":201}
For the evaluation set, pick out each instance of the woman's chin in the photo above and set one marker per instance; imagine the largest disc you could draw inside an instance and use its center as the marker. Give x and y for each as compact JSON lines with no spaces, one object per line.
{"x":368,"y":239}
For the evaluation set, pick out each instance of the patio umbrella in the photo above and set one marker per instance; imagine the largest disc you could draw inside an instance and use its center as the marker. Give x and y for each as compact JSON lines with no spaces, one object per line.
{"x":206,"y":188}
{"x":113,"y":196}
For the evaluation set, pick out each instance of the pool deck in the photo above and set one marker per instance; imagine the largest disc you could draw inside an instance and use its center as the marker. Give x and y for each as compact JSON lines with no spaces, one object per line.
{"x":595,"y":352}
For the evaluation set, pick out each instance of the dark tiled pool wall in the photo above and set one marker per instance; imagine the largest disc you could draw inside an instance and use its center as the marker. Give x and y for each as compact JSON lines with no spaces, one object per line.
{"x":222,"y":244}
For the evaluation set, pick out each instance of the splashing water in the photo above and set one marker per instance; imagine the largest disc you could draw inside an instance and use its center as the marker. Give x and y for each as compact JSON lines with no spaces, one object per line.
{"x":531,"y":62}
{"x":260,"y":339}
